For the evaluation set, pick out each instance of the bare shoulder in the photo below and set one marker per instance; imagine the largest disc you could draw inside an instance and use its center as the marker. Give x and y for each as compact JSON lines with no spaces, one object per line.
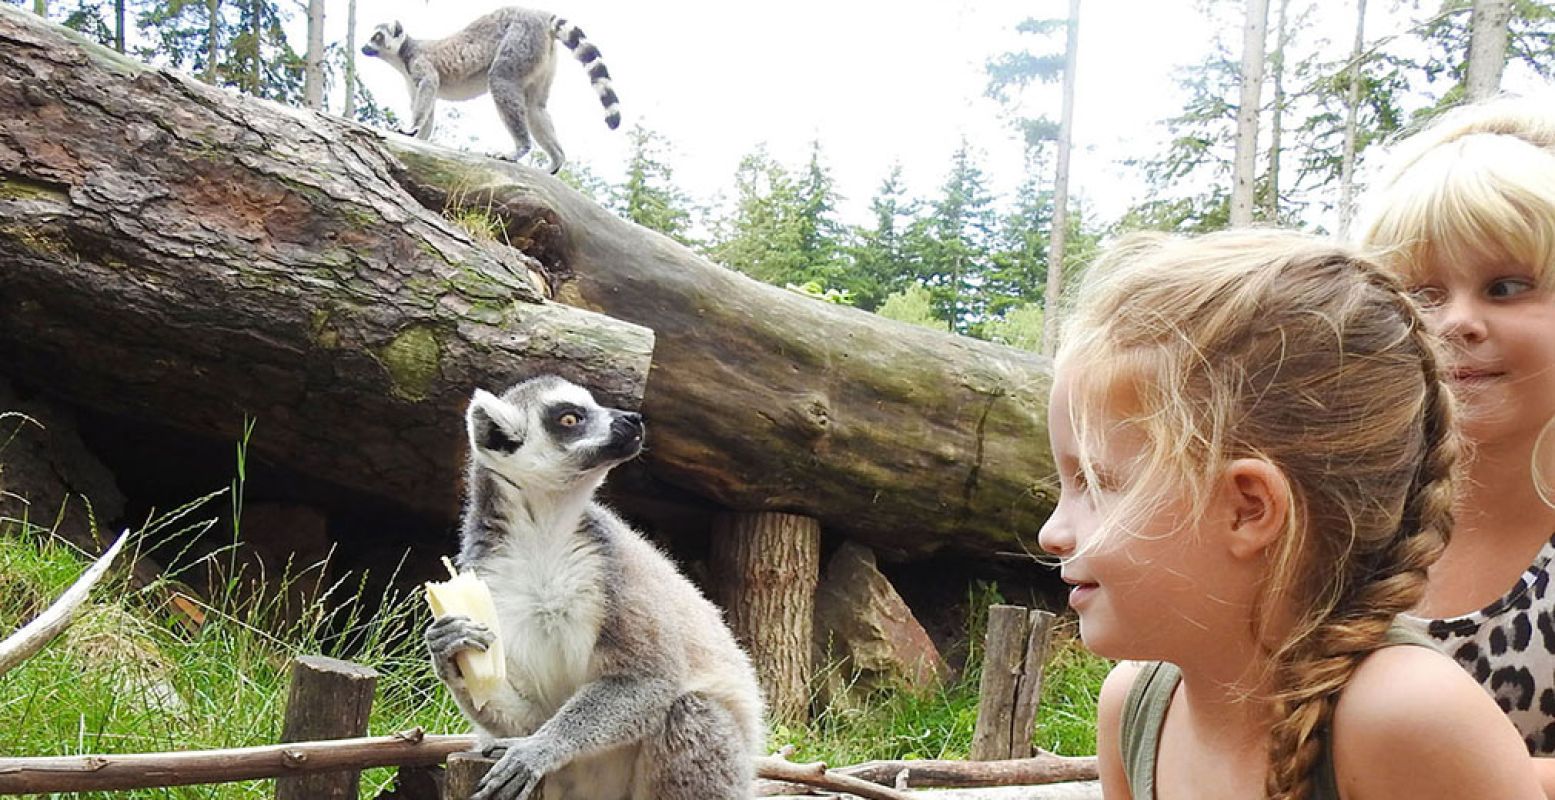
{"x":1109,"y":729}
{"x":1411,"y":723}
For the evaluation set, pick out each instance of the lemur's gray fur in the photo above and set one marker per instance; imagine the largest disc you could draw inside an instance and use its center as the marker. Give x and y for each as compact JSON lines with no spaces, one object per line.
{"x":508,"y":53}
{"x":623,"y":682}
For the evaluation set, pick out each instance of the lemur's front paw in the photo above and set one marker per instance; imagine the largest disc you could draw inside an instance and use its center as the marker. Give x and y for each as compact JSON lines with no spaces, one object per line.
{"x":517,"y":772}
{"x":447,"y":636}
{"x":411,"y":131}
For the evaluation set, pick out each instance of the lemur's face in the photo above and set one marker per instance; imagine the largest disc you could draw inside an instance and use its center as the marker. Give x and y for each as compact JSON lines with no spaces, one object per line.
{"x":547,"y":433}
{"x":385,"y":41}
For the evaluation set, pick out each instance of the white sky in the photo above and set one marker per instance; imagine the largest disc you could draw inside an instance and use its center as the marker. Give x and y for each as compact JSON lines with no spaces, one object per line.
{"x":875,"y":81}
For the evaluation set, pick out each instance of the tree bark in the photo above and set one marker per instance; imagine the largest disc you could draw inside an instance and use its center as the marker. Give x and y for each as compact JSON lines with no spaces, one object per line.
{"x":1352,"y":109}
{"x":1245,"y":167}
{"x":1271,"y":204}
{"x":328,"y":699}
{"x":350,"y":78}
{"x":1488,"y":35}
{"x":225,"y":257}
{"x":313,"y":67}
{"x":118,"y":25}
{"x":767,"y":566}
{"x":212,"y":39}
{"x":181,"y":254}
{"x":1052,"y":298}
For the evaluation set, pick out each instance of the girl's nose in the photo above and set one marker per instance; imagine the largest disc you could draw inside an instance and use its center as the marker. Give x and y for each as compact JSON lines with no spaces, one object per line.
{"x":1056,"y":537}
{"x":1460,"y":317}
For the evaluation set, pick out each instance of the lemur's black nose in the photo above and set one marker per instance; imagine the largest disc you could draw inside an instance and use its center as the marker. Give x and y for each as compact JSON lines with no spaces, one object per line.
{"x":630,"y":421}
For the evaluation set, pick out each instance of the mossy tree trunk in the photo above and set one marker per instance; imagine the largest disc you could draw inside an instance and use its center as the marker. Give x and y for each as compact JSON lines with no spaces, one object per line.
{"x":177,"y":252}
{"x":174,"y":252}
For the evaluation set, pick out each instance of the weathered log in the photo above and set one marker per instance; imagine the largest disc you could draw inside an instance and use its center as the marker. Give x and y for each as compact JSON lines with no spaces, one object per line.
{"x":328,"y":699}
{"x":465,"y":771}
{"x":940,"y":773}
{"x":765,"y":567}
{"x":1084,"y":790}
{"x":897,"y":436}
{"x":1015,"y":653}
{"x":179,"y":253}
{"x":107,"y":773}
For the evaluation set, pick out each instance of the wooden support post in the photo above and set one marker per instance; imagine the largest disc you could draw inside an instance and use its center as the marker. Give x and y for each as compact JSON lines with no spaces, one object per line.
{"x":767,"y":565}
{"x":465,"y":771}
{"x":1013,"y":656}
{"x":329,"y":699}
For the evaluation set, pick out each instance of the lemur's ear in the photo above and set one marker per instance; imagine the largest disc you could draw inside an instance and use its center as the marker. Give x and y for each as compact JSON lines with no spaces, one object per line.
{"x":490,"y":424}
{"x":399,"y":30}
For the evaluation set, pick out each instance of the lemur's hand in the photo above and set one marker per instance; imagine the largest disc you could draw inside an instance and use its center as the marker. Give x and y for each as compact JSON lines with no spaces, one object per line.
{"x":517,"y":773}
{"x":449,"y":635}
{"x":411,"y":131}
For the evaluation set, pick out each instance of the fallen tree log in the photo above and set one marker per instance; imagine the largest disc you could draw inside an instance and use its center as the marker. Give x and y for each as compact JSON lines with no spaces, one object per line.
{"x":179,"y":253}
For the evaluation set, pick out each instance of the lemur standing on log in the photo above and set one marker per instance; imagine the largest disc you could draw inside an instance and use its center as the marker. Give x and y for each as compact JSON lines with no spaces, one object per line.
{"x":623,"y":681}
{"x":508,"y":53}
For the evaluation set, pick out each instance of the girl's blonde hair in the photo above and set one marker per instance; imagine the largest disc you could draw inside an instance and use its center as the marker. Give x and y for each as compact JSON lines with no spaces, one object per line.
{"x":1283,"y":347}
{"x":1478,"y":182}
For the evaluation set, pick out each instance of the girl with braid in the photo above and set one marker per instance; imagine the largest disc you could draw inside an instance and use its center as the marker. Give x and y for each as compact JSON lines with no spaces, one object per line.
{"x":1255,"y":455}
{"x":1466,"y":217}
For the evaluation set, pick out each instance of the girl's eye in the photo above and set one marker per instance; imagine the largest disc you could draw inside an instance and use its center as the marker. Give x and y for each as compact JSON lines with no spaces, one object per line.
{"x":1428,"y":296}
{"x":1502,"y":288}
{"x":568,"y":419}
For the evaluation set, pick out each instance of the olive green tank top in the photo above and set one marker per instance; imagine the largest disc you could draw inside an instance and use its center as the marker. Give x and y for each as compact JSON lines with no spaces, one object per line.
{"x":1144,"y":711}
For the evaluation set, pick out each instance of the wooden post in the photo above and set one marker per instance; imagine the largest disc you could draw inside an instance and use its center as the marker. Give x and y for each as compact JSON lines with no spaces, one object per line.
{"x":465,"y":771}
{"x":767,"y":565}
{"x":1014,"y":653}
{"x":329,"y":699}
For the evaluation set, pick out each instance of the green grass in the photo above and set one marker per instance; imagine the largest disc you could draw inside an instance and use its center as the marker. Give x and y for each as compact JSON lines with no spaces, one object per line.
{"x":939,"y":724}
{"x":103,"y":686}
{"x":132,"y":675}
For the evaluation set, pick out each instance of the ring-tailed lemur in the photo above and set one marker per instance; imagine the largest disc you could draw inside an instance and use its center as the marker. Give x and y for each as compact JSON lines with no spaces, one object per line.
{"x":623,"y":682}
{"x":507,"y":52}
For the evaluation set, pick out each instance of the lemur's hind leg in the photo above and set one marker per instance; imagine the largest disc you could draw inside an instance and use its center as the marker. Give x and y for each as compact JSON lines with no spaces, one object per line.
{"x":545,"y":135}
{"x":699,"y":754}
{"x":536,"y":91}
{"x":523,"y":50}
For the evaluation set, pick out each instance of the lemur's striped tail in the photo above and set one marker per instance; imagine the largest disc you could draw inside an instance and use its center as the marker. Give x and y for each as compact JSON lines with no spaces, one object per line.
{"x":586,"y":53}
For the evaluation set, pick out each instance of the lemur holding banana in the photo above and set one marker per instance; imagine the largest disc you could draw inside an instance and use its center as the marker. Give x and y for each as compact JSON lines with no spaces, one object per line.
{"x":509,"y":53}
{"x":623,"y":681}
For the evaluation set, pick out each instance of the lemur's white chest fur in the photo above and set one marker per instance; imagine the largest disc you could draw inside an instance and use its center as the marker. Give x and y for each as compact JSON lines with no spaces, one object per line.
{"x":547,"y":582}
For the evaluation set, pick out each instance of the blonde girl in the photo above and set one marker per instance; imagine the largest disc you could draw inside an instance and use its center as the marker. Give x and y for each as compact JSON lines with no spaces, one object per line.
{"x":1465,"y":216}
{"x":1255,"y":453}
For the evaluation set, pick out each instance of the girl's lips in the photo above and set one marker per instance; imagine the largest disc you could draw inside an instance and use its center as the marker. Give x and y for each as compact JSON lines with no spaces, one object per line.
{"x":1079,"y":593}
{"x":1464,"y":375}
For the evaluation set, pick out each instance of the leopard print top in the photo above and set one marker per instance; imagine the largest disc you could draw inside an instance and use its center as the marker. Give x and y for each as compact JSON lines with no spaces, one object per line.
{"x":1509,"y":647}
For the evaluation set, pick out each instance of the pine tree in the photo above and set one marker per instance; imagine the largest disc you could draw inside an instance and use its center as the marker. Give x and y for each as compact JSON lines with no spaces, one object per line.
{"x":956,"y":239}
{"x":816,"y":228}
{"x":760,"y":237}
{"x":648,"y":196}
{"x":881,"y":261}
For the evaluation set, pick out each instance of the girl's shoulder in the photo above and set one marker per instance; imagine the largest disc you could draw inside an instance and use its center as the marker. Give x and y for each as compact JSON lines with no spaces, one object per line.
{"x":1411,"y":723}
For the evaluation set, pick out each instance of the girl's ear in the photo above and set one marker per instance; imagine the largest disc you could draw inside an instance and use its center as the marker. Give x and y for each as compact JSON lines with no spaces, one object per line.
{"x":1258,"y":501}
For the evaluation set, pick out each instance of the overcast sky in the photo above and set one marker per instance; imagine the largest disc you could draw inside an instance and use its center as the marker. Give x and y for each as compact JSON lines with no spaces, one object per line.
{"x":875,"y":81}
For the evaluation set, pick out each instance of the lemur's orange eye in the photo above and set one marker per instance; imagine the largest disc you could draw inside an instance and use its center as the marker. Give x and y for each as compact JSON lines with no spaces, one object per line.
{"x":568,"y":420}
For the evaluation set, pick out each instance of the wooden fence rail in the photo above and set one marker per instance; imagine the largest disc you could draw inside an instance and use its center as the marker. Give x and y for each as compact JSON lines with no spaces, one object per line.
{"x":103,"y":773}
